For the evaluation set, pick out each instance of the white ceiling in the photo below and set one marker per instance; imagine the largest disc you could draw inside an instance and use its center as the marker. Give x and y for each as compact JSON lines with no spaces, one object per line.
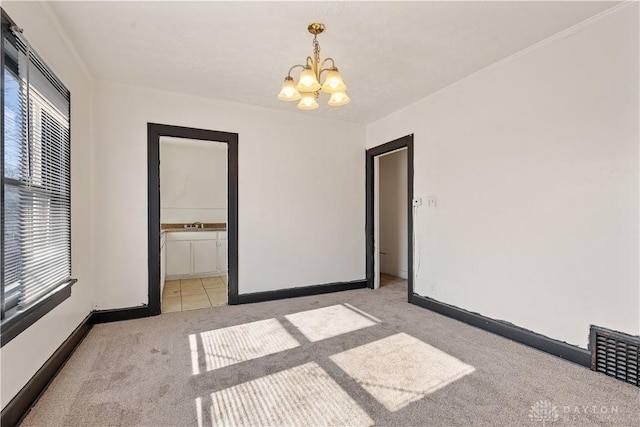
{"x":390,"y":53}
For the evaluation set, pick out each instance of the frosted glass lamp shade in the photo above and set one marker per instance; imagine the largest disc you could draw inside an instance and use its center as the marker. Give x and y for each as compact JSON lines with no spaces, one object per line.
{"x":288,"y":92}
{"x":308,"y":101}
{"x":338,"y":99}
{"x":308,"y":81}
{"x":333,"y":82}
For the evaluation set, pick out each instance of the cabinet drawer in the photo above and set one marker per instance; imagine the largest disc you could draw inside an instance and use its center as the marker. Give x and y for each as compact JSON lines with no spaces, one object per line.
{"x":192,"y":235}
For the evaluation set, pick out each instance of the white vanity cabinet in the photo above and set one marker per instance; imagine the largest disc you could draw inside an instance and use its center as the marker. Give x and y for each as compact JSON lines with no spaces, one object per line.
{"x":223,"y":251}
{"x":205,"y":256}
{"x":178,"y":257}
{"x":196,"y":253}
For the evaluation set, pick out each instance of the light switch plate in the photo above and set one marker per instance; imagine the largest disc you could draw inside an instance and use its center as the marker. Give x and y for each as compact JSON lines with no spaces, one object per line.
{"x":431,"y":202}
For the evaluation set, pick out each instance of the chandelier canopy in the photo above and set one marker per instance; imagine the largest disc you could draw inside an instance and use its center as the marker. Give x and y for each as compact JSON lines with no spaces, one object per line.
{"x":307,"y":89}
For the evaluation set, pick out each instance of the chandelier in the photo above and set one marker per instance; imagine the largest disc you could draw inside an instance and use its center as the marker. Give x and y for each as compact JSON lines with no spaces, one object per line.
{"x":308,"y":88}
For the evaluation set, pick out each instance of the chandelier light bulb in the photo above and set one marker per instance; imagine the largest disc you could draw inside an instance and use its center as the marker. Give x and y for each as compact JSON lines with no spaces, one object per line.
{"x":288,"y":92}
{"x":308,"y":81}
{"x":338,"y":99}
{"x":333,"y":83}
{"x":308,"y":101}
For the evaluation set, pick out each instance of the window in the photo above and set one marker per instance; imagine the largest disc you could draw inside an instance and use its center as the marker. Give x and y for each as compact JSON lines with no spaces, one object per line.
{"x":36,"y":186}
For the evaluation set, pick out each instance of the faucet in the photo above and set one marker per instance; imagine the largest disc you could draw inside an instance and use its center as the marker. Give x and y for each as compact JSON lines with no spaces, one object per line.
{"x":196,"y":224}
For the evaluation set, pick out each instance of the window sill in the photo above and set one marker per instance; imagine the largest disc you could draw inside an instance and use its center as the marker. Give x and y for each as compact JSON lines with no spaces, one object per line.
{"x":17,"y":323}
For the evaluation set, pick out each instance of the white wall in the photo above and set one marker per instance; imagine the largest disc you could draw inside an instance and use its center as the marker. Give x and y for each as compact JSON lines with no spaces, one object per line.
{"x":393,"y":214}
{"x":301,"y":192}
{"x":25,"y":354}
{"x":193,"y":181}
{"x":534,"y":163}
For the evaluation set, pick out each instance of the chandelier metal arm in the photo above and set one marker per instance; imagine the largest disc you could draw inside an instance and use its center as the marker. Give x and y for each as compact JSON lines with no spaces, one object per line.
{"x":293,"y":68}
{"x":310,"y":63}
{"x":322,"y":70}
{"x":333,"y":63}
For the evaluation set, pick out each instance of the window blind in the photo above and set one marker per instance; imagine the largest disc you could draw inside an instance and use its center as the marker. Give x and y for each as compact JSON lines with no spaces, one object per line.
{"x":36,"y":178}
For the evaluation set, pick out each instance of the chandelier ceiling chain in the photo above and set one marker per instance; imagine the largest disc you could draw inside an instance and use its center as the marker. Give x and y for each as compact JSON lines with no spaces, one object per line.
{"x":308,"y":88}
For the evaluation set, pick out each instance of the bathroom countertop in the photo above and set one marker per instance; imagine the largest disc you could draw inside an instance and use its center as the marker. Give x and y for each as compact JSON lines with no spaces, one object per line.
{"x":205,"y":227}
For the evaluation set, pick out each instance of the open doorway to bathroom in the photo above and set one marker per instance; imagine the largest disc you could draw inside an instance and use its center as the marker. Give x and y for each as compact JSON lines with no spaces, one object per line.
{"x":193,"y":217}
{"x":193,"y":224}
{"x":389,"y":222}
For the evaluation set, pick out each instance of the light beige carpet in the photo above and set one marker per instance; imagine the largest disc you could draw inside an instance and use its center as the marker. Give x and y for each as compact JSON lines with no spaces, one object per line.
{"x":353,"y":358}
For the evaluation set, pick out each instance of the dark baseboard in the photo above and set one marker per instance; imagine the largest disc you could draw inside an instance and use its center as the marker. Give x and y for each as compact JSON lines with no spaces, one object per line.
{"x":557,"y":348}
{"x":22,"y":402}
{"x":301,"y":292}
{"x":115,"y":315}
{"x":20,"y":405}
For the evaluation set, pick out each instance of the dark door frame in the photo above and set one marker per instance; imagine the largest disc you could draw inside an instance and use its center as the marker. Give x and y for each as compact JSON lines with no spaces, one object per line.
{"x":154,"y":132}
{"x":372,"y":153}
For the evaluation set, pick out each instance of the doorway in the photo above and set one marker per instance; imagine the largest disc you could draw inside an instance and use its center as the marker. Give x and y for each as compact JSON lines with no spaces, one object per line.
{"x":391,"y":226}
{"x":396,"y":256}
{"x":158,"y":133}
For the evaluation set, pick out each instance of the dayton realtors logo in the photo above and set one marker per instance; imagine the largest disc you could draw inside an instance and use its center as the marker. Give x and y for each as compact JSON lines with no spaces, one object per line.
{"x":544,"y":411}
{"x":574,"y":413}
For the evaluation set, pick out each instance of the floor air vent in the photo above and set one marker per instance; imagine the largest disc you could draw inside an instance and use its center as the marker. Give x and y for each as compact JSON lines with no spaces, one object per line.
{"x":615,"y":354}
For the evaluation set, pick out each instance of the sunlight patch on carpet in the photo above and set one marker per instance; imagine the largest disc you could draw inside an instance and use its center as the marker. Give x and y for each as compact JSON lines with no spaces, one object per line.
{"x":328,"y":322}
{"x":193,"y":345}
{"x":400,"y":369}
{"x":301,"y":396}
{"x":199,"y":411}
{"x":228,"y":346}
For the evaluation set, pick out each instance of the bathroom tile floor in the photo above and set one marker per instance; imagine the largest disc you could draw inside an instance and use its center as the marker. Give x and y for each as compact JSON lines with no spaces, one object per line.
{"x":386,"y":280}
{"x":192,"y":294}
